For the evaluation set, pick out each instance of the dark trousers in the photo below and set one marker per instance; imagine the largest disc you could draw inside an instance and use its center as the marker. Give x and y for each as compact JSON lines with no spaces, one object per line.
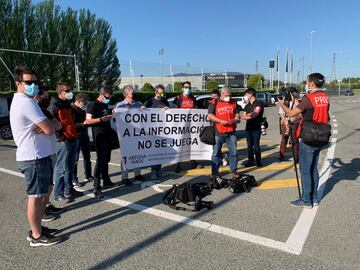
{"x":285,"y":139}
{"x":253,"y":144}
{"x":83,"y":144}
{"x":103,"y":156}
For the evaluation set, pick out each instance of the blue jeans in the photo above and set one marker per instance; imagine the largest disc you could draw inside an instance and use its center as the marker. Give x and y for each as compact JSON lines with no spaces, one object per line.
{"x":253,"y":144}
{"x":230,"y":140}
{"x":83,"y":144}
{"x":309,"y":157}
{"x":64,"y":168}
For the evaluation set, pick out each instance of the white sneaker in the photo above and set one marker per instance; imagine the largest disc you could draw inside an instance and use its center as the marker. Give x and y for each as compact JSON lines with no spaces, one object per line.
{"x":224,"y":162}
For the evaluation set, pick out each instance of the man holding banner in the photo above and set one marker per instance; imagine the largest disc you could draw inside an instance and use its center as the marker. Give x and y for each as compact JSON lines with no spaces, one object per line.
{"x":158,"y":101}
{"x":225,"y":113}
{"x":129,"y":103}
{"x":185,"y":101}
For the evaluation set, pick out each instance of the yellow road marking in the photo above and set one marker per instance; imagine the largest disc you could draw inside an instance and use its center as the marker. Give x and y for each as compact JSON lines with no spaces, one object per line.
{"x":207,"y":170}
{"x":282,"y":183}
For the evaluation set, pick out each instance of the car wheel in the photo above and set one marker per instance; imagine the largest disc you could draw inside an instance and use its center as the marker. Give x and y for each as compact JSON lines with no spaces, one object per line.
{"x":5,"y":132}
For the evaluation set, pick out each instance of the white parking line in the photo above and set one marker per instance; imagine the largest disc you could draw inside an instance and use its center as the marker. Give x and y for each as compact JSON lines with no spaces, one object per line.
{"x":335,"y":131}
{"x":302,"y":228}
{"x":335,"y":125}
{"x":334,"y":120}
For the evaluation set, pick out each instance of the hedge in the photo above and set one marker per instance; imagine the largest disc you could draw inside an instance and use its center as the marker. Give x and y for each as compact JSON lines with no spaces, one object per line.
{"x":140,"y":96}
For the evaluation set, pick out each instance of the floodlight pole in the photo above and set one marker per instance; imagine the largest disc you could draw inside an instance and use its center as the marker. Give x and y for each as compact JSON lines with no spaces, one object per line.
{"x":50,"y":54}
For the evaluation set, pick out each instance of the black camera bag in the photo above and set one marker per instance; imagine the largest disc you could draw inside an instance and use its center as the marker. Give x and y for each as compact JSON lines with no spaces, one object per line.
{"x":190,"y":194}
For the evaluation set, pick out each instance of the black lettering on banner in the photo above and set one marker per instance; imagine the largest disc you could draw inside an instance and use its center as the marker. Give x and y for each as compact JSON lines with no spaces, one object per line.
{"x":160,"y":143}
{"x":126,"y":133}
{"x":155,"y":118}
{"x":144,"y":144}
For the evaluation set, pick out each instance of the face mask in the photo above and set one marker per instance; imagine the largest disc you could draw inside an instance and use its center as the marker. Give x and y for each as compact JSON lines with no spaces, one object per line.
{"x":106,"y":100}
{"x":162,"y":95}
{"x":246,"y":99}
{"x":69,"y":95}
{"x":31,"y":90}
{"x":226,"y":99}
{"x":187,"y":91}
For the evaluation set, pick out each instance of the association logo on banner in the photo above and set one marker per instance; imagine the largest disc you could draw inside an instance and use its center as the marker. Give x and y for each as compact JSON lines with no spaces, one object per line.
{"x":157,"y":136}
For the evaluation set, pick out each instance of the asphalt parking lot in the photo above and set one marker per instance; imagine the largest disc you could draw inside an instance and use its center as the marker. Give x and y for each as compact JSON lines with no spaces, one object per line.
{"x":131,"y":229}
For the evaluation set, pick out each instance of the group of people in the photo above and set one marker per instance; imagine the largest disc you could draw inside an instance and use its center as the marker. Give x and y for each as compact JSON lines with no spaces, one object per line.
{"x":51,"y":132}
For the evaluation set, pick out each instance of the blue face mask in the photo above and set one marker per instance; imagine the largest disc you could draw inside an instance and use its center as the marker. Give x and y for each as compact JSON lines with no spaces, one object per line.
{"x":31,"y":90}
{"x":187,"y":91}
{"x":106,"y":100}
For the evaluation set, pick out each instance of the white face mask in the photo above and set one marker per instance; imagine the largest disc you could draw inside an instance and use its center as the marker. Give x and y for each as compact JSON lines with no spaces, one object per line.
{"x":69,"y":96}
{"x":246,"y":99}
{"x":226,"y":99}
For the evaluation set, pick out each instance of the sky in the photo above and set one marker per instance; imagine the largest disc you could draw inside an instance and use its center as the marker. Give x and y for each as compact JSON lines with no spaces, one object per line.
{"x":230,"y":35}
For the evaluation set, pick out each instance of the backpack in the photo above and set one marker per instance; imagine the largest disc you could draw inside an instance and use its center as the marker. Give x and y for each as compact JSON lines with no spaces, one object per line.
{"x":190,"y":194}
{"x":243,"y":183}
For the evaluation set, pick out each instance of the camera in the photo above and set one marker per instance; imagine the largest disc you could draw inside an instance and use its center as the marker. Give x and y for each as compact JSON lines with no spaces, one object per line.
{"x":285,"y":93}
{"x":263,"y":126}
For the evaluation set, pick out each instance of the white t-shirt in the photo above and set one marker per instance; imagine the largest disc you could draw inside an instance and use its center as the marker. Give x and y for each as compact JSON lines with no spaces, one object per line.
{"x":25,"y":113}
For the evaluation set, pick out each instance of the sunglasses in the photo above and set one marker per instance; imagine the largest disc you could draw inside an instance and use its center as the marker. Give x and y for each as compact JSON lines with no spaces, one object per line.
{"x":31,"y":82}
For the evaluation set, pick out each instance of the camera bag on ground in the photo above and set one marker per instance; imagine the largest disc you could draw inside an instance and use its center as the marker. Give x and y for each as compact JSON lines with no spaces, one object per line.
{"x":242,"y":183}
{"x":218,"y":182}
{"x":188,"y":193}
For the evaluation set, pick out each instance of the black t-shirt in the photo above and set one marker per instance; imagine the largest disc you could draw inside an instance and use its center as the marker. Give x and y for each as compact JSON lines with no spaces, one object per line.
{"x":99,"y":109}
{"x":79,"y":116}
{"x":156,"y":103}
{"x":258,"y":107}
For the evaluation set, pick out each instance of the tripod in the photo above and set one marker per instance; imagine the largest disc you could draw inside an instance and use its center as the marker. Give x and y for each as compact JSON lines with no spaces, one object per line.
{"x":291,"y":140}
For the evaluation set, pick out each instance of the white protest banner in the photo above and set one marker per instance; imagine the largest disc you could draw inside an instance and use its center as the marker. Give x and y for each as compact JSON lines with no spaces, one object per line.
{"x":158,"y":136}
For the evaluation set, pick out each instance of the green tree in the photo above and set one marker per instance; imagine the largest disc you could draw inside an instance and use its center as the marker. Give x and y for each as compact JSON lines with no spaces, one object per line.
{"x":147,"y":87}
{"x":256,"y":81}
{"x":212,"y":85}
{"x":177,"y":86}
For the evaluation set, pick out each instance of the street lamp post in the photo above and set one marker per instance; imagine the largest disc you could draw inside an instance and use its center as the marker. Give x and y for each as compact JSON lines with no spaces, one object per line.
{"x":339,"y":81}
{"x":311,"y":48}
{"x":161,"y":53}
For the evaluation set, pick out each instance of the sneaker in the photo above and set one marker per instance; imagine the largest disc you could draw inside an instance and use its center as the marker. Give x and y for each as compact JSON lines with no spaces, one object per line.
{"x":98,"y":194}
{"x":69,"y":196}
{"x":44,"y":230}
{"x":89,"y":179}
{"x":62,"y":200}
{"x":301,"y":203}
{"x":315,"y":203}
{"x":76,"y":184}
{"x":139,"y":178}
{"x":178,"y":168}
{"x":48,"y":217}
{"x":127,"y":182}
{"x":109,"y":184}
{"x":224,"y":162}
{"x":51,"y":209}
{"x":44,"y":240}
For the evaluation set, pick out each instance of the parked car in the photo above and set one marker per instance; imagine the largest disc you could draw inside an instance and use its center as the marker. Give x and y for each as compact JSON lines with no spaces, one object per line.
{"x":349,"y":92}
{"x":264,"y":97}
{"x":240,"y":101}
{"x":5,"y":128}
